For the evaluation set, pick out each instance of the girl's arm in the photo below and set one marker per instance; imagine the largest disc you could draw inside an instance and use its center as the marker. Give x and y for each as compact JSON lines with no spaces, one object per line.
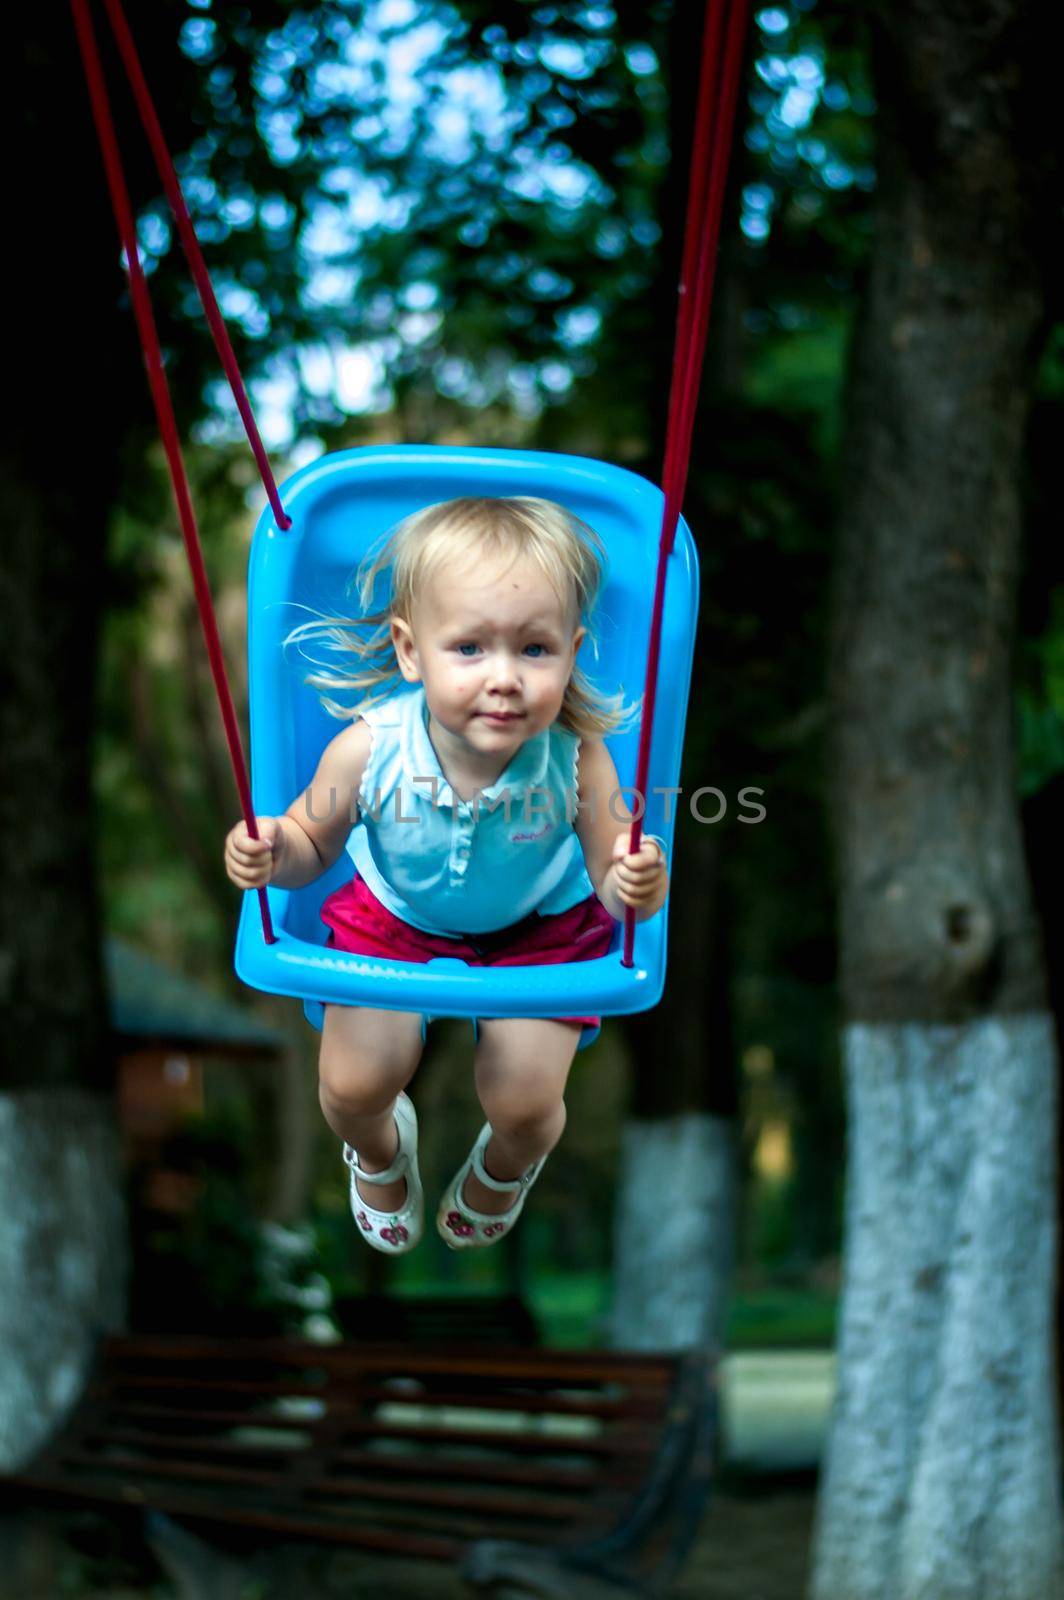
{"x":298,"y":847}
{"x":603,"y":823}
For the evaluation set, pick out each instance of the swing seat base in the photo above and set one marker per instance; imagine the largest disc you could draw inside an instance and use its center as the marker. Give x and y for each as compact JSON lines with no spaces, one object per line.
{"x":443,"y":987}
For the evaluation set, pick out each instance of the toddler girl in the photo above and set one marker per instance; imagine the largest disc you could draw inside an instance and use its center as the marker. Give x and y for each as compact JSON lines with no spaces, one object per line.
{"x":489,"y":827}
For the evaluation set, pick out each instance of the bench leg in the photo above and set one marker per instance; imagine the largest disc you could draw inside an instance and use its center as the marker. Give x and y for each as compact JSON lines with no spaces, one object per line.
{"x":196,"y":1569}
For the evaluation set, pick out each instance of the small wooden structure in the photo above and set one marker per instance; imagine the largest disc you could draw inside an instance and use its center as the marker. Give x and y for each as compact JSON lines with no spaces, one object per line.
{"x":552,"y":1473}
{"x":163,"y":1025}
{"x":167,"y":1031}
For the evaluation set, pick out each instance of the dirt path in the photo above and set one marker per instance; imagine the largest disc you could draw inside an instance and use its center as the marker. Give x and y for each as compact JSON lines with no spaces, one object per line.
{"x":751,"y":1548}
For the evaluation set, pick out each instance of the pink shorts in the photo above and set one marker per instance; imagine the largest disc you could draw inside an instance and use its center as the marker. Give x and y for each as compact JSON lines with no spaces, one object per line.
{"x":359,"y":925}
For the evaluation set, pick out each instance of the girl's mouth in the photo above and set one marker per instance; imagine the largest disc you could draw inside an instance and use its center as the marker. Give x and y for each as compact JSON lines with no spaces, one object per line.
{"x":501,"y":716}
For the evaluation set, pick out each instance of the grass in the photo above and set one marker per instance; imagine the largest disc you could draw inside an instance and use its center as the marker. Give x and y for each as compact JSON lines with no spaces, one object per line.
{"x":782,"y":1319}
{"x":572,"y":1311}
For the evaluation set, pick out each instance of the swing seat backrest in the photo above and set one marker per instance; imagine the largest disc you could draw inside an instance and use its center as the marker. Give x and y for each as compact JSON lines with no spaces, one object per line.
{"x":340,"y":506}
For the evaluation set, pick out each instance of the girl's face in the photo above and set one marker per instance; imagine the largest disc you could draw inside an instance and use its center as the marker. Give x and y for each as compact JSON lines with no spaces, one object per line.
{"x":494,"y":647}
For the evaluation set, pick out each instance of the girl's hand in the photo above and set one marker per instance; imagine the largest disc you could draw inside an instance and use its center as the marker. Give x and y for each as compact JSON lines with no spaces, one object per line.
{"x":640,"y":879}
{"x":252,"y":863}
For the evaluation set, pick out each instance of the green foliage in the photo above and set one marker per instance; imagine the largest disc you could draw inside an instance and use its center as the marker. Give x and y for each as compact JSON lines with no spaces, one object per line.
{"x":1040,"y":702}
{"x":801,"y":374}
{"x":1040,"y":647}
{"x":461,"y":193}
{"x":808,"y":164}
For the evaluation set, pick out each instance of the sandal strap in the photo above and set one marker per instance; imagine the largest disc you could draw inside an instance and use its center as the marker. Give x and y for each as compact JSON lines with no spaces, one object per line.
{"x":476,"y":1161}
{"x":397,"y":1169}
{"x":400,"y":1165}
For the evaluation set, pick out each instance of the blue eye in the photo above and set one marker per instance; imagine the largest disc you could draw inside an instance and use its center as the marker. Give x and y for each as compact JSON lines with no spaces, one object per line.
{"x":468,"y":649}
{"x":535,"y":650}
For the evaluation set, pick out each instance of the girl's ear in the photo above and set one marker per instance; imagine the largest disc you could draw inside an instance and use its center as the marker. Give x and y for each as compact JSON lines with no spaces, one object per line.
{"x":578,"y":638}
{"x":405,"y":650}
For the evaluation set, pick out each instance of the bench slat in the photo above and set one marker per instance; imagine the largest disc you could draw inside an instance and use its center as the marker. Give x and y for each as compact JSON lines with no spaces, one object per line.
{"x":620,"y":1441}
{"x":638,"y":1404}
{"x":202,"y":1509}
{"x":554,"y":1367}
{"x":411,"y":1493}
{"x":561,"y":1472}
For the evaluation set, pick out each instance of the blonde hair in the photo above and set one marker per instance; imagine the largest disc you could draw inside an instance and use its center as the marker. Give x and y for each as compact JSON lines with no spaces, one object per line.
{"x":568,"y":553}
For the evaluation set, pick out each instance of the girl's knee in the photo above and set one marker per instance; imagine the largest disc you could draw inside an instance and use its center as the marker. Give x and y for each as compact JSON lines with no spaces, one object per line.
{"x":521,"y":1090}
{"x":355,"y":1089}
{"x":525,"y":1117}
{"x":360,"y":1071}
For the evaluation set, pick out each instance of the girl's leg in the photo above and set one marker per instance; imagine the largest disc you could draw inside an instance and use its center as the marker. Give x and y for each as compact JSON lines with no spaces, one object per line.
{"x":366,"y":1057}
{"x":521,"y":1068}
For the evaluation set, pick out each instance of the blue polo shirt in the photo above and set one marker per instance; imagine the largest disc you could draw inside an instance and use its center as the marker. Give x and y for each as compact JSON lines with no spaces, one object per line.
{"x":451,"y":866}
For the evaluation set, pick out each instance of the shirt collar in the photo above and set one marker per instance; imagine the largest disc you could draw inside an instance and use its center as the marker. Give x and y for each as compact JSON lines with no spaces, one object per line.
{"x":527,"y":770}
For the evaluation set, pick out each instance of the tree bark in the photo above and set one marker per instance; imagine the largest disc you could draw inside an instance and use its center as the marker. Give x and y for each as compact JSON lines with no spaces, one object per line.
{"x":62,"y":1255}
{"x":675,"y":1220}
{"x":942,"y":1471}
{"x":71,"y":369}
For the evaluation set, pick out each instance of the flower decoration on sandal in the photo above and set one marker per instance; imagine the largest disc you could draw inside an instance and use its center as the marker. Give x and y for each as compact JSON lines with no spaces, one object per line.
{"x":458,"y":1225}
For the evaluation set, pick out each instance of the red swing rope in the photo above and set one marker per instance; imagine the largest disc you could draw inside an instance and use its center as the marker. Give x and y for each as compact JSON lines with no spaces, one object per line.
{"x":160,"y":390}
{"x":718,"y":91}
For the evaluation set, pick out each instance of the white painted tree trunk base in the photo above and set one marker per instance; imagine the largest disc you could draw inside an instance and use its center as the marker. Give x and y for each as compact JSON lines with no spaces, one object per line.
{"x":62,"y":1256}
{"x":674,"y":1233}
{"x":942,"y":1478}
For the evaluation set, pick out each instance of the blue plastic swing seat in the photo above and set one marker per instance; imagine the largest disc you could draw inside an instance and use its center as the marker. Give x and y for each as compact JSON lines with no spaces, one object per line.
{"x":340,"y":505}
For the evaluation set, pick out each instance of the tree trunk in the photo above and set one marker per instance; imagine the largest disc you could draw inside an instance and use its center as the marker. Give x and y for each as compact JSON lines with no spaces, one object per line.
{"x":71,"y":369}
{"x":674,"y":1232}
{"x":62,"y":1255}
{"x":675,"y":1225}
{"x":942,"y":1474}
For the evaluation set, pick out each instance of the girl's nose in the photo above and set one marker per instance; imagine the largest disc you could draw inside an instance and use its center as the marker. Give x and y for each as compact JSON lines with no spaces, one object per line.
{"x":502,"y":673}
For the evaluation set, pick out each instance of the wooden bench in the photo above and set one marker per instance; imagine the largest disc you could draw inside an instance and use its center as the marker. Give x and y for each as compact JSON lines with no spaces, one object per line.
{"x":546,"y":1473}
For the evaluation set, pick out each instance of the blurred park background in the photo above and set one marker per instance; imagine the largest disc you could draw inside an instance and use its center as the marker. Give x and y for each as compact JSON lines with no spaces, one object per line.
{"x":460,"y":223}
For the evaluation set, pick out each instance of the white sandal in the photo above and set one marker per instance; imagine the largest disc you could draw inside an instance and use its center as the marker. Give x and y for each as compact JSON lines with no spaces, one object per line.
{"x":392,"y":1232}
{"x":462,"y":1228}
